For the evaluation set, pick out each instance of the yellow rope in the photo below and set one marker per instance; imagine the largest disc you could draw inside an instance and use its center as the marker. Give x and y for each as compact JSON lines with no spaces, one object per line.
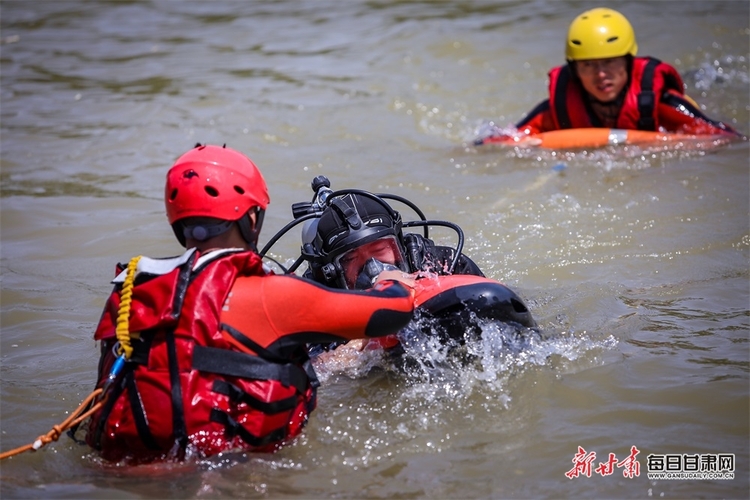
{"x":122,"y":330}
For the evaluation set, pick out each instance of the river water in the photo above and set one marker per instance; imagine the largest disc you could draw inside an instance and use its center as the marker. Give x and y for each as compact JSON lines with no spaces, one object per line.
{"x":634,"y":263}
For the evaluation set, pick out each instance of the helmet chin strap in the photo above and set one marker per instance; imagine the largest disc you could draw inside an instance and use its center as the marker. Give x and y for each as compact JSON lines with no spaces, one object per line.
{"x":206,"y":231}
{"x":203,"y":232}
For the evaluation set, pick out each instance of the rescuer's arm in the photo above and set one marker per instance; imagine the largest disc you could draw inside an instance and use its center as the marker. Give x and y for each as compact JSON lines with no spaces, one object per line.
{"x":681,"y":114}
{"x":273,"y":307}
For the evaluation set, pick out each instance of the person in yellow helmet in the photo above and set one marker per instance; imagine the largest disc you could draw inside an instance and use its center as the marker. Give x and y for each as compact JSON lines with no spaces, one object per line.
{"x":605,"y":84}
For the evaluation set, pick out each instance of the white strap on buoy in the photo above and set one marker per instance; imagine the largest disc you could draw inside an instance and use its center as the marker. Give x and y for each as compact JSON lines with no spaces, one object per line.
{"x":617,"y":136}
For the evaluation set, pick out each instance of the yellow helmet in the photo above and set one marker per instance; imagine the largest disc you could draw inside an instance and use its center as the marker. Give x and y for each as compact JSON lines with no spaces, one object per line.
{"x":599,"y":34}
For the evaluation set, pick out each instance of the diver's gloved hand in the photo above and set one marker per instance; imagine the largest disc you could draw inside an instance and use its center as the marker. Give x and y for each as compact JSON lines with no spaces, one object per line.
{"x":372,"y":269}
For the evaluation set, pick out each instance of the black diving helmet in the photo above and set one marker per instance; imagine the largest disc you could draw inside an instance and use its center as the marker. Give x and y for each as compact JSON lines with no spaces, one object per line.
{"x":348,"y":223}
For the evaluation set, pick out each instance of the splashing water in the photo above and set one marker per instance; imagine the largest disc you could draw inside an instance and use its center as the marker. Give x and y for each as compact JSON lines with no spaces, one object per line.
{"x":719,"y":71}
{"x":433,"y":367}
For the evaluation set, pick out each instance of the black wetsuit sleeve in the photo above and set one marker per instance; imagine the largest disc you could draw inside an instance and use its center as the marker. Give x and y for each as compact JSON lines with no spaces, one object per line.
{"x":540,"y":108}
{"x":689,"y":109}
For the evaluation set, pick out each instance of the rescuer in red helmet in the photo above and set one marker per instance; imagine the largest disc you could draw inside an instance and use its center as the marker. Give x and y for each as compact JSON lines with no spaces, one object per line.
{"x":201,"y":353}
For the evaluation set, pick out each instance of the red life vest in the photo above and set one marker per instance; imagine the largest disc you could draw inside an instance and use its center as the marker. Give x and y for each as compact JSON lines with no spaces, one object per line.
{"x":185,"y":387}
{"x":649,"y":79}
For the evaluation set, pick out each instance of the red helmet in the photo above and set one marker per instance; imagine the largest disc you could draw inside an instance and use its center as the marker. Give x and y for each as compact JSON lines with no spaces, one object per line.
{"x":213,"y":181}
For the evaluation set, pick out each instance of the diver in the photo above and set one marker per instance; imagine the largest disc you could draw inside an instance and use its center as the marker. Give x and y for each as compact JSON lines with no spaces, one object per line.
{"x":605,"y":85}
{"x":358,"y":235}
{"x":352,"y":236}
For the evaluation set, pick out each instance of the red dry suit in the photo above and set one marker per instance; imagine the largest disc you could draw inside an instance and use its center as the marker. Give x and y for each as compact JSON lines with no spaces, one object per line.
{"x":654,"y":100}
{"x":220,"y":362}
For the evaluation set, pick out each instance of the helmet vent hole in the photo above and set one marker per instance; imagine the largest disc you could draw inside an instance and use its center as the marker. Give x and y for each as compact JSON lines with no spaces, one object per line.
{"x":173,"y":195}
{"x":212,"y":191}
{"x":239,"y":190}
{"x":610,"y":40}
{"x":575,"y":42}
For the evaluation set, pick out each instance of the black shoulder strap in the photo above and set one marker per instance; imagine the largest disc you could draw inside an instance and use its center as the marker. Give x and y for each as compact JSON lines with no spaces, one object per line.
{"x":540,"y":108}
{"x":185,"y":277}
{"x":561,"y":104}
{"x":139,"y":413}
{"x":179,"y":429}
{"x":646,"y":97}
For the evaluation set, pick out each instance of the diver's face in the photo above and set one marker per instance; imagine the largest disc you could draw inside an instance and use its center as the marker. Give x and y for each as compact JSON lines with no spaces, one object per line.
{"x":352,"y":262}
{"x":603,"y":78}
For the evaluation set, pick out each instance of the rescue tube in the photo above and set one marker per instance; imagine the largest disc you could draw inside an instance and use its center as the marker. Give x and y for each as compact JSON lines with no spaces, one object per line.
{"x":578,"y":138}
{"x":452,"y":306}
{"x":456,"y":299}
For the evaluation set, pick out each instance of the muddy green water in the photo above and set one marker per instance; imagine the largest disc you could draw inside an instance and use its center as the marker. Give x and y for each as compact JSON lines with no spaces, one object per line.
{"x":635,"y":264}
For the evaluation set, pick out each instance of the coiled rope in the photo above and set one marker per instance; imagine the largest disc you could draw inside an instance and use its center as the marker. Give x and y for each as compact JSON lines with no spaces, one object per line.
{"x":122,"y":330}
{"x":125,"y":350}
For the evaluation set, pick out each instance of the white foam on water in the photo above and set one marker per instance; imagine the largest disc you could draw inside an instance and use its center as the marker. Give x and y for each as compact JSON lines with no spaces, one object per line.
{"x":432,"y":370}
